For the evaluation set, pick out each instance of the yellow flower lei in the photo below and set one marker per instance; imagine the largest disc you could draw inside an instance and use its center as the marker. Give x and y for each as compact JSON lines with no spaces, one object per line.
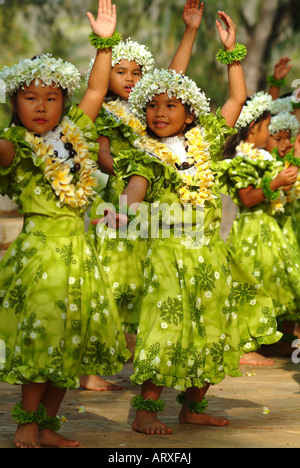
{"x":248,"y":150}
{"x":78,"y":193}
{"x":118,"y":108}
{"x":196,"y":188}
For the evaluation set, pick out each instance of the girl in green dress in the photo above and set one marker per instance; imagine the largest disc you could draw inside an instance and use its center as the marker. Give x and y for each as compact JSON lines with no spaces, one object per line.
{"x":260,"y":186}
{"x":201,"y":309}
{"x":58,"y":319}
{"x":117,"y":129}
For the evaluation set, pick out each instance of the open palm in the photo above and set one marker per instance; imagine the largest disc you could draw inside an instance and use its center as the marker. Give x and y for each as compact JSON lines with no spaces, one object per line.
{"x":105,"y":24}
{"x":192,"y":15}
{"x":228,"y":35}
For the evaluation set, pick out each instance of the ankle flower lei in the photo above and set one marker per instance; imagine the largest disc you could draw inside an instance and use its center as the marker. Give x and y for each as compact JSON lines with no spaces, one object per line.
{"x":197,"y":186}
{"x":71,"y":181}
{"x":120,"y":110}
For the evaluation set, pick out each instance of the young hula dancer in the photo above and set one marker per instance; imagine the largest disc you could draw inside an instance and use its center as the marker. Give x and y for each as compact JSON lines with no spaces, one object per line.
{"x":58,"y":319}
{"x":260,"y":186}
{"x":117,"y":129}
{"x":201,"y":309}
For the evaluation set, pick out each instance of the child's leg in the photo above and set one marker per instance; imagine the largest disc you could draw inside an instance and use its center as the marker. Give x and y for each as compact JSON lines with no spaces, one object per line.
{"x":27,"y":435}
{"x":146,"y":422}
{"x":52,"y":399}
{"x":190,"y":414}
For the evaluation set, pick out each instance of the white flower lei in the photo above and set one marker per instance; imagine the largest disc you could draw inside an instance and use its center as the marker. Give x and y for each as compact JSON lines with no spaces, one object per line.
{"x":284,"y":121}
{"x":167,"y":81}
{"x":283,"y":104}
{"x":197,"y":187}
{"x":76,"y":189}
{"x":45,"y":69}
{"x":254,"y":108}
{"x":130,"y":51}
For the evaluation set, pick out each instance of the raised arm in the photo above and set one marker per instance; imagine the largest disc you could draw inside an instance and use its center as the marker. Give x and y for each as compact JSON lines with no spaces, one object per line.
{"x":281,"y":70}
{"x":236,"y":79}
{"x":7,"y":153}
{"x":192,"y":16}
{"x":104,"y":27}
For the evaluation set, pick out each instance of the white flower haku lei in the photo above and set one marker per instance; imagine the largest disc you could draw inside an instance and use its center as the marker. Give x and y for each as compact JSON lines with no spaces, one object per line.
{"x":78,"y":193}
{"x":130,"y":51}
{"x":284,"y":104}
{"x":44,"y":69}
{"x":175,"y":85}
{"x":284,"y":121}
{"x":254,"y":108}
{"x":196,"y":188}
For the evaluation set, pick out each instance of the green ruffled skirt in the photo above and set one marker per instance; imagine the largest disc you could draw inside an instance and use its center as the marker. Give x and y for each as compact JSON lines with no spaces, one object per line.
{"x":260,"y":244}
{"x":201,"y":312}
{"x":57,"y":314}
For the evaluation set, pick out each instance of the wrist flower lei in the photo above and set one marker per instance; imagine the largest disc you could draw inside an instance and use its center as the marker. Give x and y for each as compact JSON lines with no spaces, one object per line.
{"x":105,"y":42}
{"x":70,"y":178}
{"x":196,"y":186}
{"x":274,"y":82}
{"x":230,"y":56}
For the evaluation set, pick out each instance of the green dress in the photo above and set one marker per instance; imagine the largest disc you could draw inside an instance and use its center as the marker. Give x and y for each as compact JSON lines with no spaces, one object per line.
{"x":261,"y":236}
{"x":201,"y":308}
{"x":57,"y":314}
{"x":122,"y":257}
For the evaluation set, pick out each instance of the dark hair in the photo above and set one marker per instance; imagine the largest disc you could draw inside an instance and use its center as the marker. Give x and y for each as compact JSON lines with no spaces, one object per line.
{"x":242,"y":135}
{"x":15,"y":119}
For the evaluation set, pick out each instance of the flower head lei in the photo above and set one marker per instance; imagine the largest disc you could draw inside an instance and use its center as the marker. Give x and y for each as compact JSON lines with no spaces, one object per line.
{"x":71,"y":178}
{"x":283,"y":104}
{"x":43,"y":69}
{"x":284,"y":121}
{"x":175,"y":85}
{"x":254,"y":108}
{"x":131,"y":51}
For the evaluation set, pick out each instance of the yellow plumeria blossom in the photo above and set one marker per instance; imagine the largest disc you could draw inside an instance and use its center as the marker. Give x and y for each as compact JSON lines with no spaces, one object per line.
{"x":120,"y":110}
{"x":196,"y":187}
{"x":75,"y":190}
{"x":250,"y":151}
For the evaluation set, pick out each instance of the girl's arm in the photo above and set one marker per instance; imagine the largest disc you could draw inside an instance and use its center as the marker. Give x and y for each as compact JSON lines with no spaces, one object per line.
{"x":103,"y":26}
{"x":7,"y":153}
{"x":251,"y":196}
{"x":236,"y":79}
{"x":105,"y":159}
{"x":281,"y":70}
{"x":192,"y":17}
{"x":131,"y":198}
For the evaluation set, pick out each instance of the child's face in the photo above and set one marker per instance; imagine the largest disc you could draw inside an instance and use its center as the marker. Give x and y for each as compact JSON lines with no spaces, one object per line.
{"x":167,"y":117}
{"x":259,"y":133}
{"x":123,"y":78}
{"x":280,"y":140}
{"x":40,"y":107}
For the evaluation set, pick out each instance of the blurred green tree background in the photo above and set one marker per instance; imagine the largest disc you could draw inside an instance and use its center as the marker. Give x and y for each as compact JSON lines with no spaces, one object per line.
{"x":269,"y":28}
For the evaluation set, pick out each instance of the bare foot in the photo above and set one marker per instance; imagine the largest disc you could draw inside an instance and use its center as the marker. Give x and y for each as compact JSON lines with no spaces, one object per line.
{"x":27,"y":436}
{"x":254,"y":359}
{"x":50,"y":438}
{"x":97,"y":384}
{"x":147,"y":423}
{"x":187,"y":417}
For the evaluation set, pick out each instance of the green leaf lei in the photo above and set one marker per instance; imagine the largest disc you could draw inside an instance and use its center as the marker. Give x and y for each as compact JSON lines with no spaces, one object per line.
{"x":28,"y":417}
{"x":273,"y":82}
{"x":105,"y":42}
{"x":140,"y":404}
{"x":230,"y":56}
{"x":194,"y":406}
{"x":268,"y":192}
